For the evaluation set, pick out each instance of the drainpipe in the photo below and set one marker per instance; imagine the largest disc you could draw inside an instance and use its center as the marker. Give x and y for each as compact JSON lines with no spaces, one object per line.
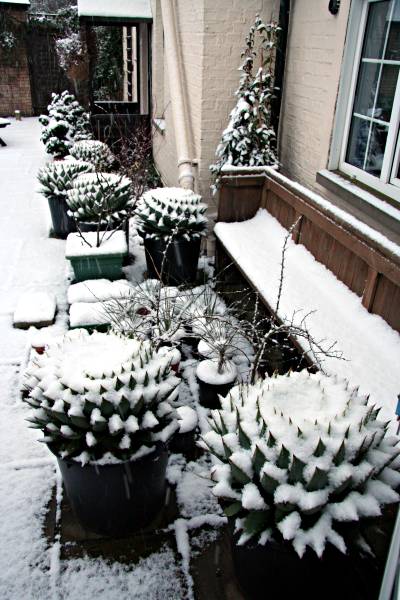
{"x":284,"y":14}
{"x":175,"y":70}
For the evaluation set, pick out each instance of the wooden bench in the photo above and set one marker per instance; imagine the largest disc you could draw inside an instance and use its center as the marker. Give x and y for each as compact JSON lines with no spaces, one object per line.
{"x":370,"y":346}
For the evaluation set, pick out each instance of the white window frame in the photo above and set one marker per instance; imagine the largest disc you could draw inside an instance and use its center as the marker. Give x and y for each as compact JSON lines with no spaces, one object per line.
{"x":388,"y":184}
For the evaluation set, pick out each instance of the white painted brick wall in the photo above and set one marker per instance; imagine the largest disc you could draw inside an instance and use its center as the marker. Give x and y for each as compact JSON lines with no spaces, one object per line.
{"x":313,"y":63}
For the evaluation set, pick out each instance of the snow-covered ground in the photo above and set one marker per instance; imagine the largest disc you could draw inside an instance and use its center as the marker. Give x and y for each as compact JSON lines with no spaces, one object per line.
{"x":31,"y":566}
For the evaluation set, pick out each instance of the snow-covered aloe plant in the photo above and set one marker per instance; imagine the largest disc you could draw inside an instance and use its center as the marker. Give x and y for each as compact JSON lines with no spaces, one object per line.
{"x":101,"y":394}
{"x":301,"y":458}
{"x":163,"y":212}
{"x":56,"y":177}
{"x":103,"y":198}
{"x":95,"y":152}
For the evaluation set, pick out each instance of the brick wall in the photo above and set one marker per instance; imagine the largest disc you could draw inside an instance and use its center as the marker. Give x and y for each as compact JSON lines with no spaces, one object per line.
{"x":211,"y":36}
{"x":15,"y":89}
{"x":314,"y":59}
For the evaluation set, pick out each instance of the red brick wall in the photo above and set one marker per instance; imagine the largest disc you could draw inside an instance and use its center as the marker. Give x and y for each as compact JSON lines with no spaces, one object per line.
{"x":15,"y":89}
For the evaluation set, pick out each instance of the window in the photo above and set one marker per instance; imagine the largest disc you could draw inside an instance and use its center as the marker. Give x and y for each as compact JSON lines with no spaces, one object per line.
{"x":370,"y":136}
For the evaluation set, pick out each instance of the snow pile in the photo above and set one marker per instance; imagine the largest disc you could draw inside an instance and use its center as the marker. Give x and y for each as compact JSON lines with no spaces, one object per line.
{"x":35,"y":308}
{"x":301,"y":445}
{"x":84,"y":314}
{"x":113,"y":243}
{"x":98,"y":290}
{"x":334,"y":312}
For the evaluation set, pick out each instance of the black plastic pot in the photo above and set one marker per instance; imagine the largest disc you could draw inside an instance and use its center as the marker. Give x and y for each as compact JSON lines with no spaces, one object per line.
{"x":117,"y":499}
{"x":208,"y":393}
{"x":181,"y":259}
{"x":62,"y":223}
{"x":275,"y":571}
{"x":184,"y":443}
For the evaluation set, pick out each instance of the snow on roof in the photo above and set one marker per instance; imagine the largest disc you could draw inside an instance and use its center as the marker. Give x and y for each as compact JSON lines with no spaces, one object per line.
{"x":117,"y":9}
{"x":369,"y":345}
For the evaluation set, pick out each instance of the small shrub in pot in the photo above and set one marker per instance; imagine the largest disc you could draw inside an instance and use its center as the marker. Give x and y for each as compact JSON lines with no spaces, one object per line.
{"x":103,"y":403}
{"x":55,"y":180}
{"x":173,"y":221}
{"x":303,"y":463}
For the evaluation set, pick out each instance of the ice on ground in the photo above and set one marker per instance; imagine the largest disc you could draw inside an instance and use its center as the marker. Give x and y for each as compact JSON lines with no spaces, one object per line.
{"x":35,"y":308}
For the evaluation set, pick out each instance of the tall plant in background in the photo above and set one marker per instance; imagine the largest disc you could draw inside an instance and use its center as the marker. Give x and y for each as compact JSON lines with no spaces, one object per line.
{"x":250,"y":139}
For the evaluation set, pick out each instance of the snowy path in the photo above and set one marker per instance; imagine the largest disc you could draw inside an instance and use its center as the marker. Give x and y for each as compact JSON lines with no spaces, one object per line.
{"x":33,"y":567}
{"x":28,"y":260}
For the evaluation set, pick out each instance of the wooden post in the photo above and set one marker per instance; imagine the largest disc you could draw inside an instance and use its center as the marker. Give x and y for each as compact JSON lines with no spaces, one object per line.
{"x":370,"y":288}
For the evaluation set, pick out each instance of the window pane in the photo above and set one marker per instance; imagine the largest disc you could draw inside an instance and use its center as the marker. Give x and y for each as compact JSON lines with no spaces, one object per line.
{"x":366,"y":89}
{"x":357,"y":144}
{"x":387,"y":88}
{"x":393,"y":43}
{"x":375,"y":32}
{"x":376,"y":149}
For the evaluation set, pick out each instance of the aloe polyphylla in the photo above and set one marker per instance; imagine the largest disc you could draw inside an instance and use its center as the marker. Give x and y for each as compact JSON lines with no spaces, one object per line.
{"x":100,"y":394}
{"x":163,"y":212}
{"x":300,"y":458}
{"x":95,"y":152}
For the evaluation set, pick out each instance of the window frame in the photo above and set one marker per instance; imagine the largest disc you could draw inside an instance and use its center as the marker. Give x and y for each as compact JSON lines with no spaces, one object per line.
{"x":387,"y":184}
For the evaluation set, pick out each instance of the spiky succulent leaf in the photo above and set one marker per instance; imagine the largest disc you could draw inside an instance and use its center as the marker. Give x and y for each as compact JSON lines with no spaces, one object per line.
{"x":329,"y":461}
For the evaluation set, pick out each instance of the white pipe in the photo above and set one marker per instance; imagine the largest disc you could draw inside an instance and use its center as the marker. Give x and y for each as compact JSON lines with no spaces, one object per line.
{"x":392,"y":563}
{"x":177,"y":93}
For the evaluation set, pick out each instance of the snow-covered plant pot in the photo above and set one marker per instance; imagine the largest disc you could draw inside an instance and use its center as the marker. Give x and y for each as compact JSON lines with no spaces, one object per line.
{"x":56,"y":179}
{"x":173,"y":221}
{"x":95,"y":152}
{"x":104,"y":405}
{"x":303,"y":462}
{"x":103,"y":199}
{"x":215,"y":381}
{"x":93,"y":260}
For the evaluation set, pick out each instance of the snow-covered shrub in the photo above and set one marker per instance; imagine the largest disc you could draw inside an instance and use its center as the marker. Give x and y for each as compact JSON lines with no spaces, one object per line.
{"x":103,"y":198}
{"x":223,"y":345}
{"x":250,"y":139}
{"x":70,"y":50}
{"x":161,"y":313}
{"x":302,"y":459}
{"x":65,"y":123}
{"x":163,"y":212}
{"x":56,"y":177}
{"x":97,"y":394}
{"x":95,"y":152}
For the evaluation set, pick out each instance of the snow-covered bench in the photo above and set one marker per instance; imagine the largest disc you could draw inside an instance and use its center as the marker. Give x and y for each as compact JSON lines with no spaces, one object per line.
{"x":371,"y":347}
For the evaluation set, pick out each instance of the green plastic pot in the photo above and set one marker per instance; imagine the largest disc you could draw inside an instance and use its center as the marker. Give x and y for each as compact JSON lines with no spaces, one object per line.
{"x":106,"y":266}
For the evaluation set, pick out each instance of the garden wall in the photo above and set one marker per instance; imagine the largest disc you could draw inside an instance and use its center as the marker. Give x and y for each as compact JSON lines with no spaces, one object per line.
{"x":364,"y":264}
{"x":15,"y":89}
{"x":211,"y":38}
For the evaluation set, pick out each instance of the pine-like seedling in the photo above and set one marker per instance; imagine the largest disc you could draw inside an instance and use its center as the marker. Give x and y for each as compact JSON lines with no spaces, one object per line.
{"x":303,"y":460}
{"x":65,"y":123}
{"x":100,"y":394}
{"x":163,"y":212}
{"x":103,"y":198}
{"x":250,"y":139}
